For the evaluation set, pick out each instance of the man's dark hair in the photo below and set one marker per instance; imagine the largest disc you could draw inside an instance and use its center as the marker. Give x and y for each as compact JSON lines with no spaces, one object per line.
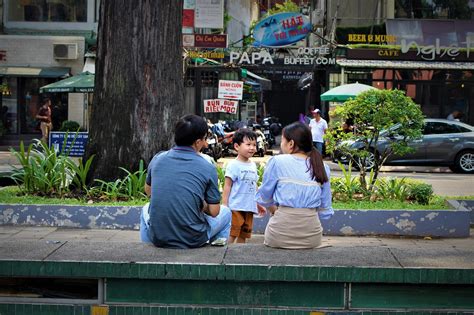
{"x":242,"y":133}
{"x":188,"y":129}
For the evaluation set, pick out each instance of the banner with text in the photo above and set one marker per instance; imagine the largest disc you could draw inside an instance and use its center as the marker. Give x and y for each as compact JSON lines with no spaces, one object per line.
{"x":220,"y":106}
{"x":230,"y":89}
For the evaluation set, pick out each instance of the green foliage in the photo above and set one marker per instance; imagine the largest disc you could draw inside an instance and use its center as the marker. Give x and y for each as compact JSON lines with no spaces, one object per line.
{"x":287,"y":6}
{"x":70,"y":125}
{"x":81,"y":171}
{"x":376,"y":114}
{"x":421,"y":193}
{"x":345,"y":187}
{"x":393,"y":188}
{"x":260,"y":171}
{"x":221,"y":177}
{"x":43,"y":171}
{"x":129,"y":188}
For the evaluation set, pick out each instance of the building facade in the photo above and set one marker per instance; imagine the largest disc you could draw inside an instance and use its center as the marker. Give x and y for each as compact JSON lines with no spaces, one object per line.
{"x":42,"y":42}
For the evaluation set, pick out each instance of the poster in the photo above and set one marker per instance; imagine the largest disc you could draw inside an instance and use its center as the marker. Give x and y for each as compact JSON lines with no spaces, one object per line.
{"x":209,"y":14}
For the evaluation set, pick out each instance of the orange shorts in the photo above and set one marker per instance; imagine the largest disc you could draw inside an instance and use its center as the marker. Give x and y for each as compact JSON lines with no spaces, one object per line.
{"x":242,"y":222}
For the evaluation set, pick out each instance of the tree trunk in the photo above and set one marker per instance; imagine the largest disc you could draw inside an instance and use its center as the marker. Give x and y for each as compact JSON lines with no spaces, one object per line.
{"x":139,"y":92}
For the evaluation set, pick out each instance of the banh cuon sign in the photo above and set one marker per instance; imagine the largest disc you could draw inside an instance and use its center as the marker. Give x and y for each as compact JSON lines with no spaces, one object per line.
{"x":281,"y":29}
{"x":425,"y":52}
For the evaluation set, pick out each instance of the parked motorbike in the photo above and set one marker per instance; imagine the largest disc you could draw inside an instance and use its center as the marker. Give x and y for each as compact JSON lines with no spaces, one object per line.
{"x":214,"y":147}
{"x":262,"y":145}
{"x":224,"y":139}
{"x":271,"y":129}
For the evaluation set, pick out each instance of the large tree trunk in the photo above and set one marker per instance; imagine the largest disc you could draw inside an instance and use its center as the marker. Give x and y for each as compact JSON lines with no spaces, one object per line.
{"x":139,"y":91}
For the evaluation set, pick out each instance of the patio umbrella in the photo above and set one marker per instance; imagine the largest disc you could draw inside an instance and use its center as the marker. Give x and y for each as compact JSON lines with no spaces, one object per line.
{"x":343,"y":92}
{"x":81,"y":83}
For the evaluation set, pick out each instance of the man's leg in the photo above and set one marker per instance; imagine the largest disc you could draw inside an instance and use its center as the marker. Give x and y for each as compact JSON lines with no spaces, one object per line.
{"x":144,"y":224}
{"x":219,"y":227}
{"x":44,"y":131}
{"x":319,"y":147}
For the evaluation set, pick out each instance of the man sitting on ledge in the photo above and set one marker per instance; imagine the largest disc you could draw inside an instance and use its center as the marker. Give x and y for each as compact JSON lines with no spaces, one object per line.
{"x":184,"y":210}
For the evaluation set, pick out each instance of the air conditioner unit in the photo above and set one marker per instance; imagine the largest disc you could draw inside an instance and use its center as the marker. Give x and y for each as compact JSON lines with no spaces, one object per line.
{"x":65,"y":51}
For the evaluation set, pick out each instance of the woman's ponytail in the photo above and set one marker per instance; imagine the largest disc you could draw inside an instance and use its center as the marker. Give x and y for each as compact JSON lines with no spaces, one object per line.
{"x":317,"y":166}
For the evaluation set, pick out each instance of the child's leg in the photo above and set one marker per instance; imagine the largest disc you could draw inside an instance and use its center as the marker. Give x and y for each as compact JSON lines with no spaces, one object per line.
{"x":246,"y":229}
{"x":237,"y":222}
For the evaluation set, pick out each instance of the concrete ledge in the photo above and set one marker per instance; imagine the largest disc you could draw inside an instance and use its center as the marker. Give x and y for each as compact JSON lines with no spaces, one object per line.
{"x":437,"y":223}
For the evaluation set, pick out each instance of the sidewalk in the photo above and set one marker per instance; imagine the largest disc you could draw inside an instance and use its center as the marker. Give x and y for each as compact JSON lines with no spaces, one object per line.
{"x":396,"y":252}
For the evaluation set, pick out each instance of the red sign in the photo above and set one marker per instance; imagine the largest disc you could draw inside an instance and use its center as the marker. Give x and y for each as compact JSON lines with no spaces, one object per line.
{"x":188,"y":18}
{"x":220,"y":106}
{"x":210,"y":41}
{"x":3,"y":55}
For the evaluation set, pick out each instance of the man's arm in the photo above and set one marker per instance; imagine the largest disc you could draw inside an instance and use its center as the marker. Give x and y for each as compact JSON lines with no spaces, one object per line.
{"x":211,"y":209}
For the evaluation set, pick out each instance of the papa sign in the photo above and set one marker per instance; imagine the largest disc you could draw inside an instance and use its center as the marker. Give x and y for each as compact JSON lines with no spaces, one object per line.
{"x":281,"y":29}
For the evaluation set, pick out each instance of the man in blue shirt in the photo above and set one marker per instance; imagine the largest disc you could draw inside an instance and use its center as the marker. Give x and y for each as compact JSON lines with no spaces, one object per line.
{"x":185,"y":209}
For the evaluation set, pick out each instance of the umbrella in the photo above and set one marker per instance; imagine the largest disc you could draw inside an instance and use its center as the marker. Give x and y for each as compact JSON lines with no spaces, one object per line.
{"x":343,"y":92}
{"x":81,"y":83}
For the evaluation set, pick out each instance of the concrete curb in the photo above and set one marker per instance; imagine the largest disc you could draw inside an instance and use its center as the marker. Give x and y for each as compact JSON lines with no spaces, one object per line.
{"x":437,"y":223}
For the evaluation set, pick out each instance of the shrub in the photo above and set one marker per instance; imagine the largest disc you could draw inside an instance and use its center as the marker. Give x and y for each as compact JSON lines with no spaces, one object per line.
{"x":69,"y":125}
{"x":43,"y":170}
{"x":392,"y":188}
{"x":420,"y":193}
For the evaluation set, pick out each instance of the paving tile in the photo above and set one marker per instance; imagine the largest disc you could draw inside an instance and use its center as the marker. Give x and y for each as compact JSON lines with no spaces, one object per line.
{"x":31,"y":250}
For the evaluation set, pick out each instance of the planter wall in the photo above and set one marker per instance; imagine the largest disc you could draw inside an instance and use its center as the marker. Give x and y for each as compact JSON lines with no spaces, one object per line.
{"x":438,"y":223}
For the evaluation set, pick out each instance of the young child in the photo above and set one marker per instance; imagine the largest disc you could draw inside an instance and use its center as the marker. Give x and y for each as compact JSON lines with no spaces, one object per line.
{"x":240,"y":186}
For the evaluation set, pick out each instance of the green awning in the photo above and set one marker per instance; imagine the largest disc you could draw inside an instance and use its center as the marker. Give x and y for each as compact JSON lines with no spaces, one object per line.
{"x":81,"y":83}
{"x":48,"y":72}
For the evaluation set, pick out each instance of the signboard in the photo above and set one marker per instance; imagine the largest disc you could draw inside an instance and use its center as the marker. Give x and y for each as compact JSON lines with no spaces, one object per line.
{"x":230,"y":89}
{"x":188,"y":40}
{"x":210,"y":41}
{"x":188,"y":18}
{"x":220,"y":106}
{"x":209,"y":14}
{"x":75,"y":144}
{"x":189,"y":4}
{"x":281,"y":29}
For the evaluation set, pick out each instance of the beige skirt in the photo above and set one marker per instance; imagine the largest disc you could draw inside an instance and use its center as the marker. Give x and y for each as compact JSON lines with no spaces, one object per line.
{"x":294,"y":228}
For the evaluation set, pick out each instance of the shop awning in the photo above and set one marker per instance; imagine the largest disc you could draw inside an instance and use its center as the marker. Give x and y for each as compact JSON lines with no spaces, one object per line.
{"x":48,"y":72}
{"x":403,"y":64}
{"x":264,"y":82}
{"x":81,"y":83}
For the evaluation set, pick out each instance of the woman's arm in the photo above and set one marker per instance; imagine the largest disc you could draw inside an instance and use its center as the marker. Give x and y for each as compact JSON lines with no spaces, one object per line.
{"x":264,"y":195}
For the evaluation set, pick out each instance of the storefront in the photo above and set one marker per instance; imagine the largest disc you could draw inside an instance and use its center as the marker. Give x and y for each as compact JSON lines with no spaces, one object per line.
{"x":433,"y":61}
{"x":28,"y":63}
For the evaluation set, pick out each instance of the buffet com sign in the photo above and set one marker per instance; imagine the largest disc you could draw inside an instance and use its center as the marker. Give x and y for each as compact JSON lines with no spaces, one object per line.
{"x":220,"y":106}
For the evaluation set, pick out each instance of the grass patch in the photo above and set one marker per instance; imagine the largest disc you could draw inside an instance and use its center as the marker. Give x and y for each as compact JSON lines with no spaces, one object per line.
{"x":9,"y":195}
{"x":437,"y":203}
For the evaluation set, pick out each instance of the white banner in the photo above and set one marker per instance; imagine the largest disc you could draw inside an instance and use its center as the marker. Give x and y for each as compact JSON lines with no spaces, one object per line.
{"x":230,"y":89}
{"x":220,"y":106}
{"x":209,"y":14}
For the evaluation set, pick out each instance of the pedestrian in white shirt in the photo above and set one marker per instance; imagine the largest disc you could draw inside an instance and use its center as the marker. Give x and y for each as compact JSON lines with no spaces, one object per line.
{"x":318,"y":128}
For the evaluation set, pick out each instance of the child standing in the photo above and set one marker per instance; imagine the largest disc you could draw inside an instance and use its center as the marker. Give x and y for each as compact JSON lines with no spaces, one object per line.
{"x":240,"y":186}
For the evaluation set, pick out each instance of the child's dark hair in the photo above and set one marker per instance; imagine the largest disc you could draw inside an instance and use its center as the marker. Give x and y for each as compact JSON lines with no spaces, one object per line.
{"x":242,"y":133}
{"x":188,"y":129}
{"x":301,"y":136}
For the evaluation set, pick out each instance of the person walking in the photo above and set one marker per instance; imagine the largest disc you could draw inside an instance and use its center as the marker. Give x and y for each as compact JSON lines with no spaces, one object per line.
{"x":184,"y":210}
{"x":44,"y":116}
{"x":296,"y":191}
{"x":318,"y":128}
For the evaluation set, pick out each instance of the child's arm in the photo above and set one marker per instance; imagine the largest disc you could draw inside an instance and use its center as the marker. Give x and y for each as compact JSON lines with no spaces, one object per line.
{"x":226,"y":192}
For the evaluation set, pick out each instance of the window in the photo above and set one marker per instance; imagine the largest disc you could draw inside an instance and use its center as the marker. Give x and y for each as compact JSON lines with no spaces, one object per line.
{"x":436,"y":128}
{"x":47,"y":10}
